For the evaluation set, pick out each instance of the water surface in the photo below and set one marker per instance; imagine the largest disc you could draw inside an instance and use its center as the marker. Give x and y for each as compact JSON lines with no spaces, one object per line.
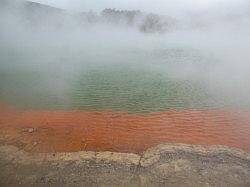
{"x":125,"y":97}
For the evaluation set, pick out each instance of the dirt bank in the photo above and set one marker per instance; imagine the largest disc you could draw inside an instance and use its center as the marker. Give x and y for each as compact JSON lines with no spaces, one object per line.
{"x":67,"y":131}
{"x":164,"y":165}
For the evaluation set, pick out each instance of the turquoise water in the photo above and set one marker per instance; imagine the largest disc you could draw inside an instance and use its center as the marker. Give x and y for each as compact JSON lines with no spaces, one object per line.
{"x":134,"y":80}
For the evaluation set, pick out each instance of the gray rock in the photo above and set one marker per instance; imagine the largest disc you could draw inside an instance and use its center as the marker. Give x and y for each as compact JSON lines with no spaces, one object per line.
{"x":164,"y":165}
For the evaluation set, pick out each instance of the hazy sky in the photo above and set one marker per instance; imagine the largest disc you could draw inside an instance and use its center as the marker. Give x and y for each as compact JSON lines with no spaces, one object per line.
{"x":160,"y":6}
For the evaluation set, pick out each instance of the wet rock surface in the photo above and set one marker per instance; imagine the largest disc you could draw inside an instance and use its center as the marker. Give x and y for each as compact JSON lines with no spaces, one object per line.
{"x":164,"y":165}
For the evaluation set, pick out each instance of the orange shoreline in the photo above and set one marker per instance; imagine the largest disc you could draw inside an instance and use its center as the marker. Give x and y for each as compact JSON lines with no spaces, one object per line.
{"x":67,"y":131}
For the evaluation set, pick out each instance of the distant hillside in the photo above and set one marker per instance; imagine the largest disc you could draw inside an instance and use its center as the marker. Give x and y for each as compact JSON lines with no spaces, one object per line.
{"x":40,"y":14}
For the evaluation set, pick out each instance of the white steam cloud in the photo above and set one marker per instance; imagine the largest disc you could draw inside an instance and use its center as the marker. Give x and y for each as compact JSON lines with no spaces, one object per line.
{"x":211,"y":43}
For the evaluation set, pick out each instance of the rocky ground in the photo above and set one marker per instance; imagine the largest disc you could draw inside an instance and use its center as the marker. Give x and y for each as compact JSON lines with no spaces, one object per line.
{"x":164,"y":165}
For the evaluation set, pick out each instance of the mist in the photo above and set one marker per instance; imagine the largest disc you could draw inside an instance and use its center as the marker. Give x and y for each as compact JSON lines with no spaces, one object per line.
{"x":202,"y":44}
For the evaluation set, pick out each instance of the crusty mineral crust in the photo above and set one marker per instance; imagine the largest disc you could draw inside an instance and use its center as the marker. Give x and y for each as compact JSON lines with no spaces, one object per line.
{"x":163,"y":165}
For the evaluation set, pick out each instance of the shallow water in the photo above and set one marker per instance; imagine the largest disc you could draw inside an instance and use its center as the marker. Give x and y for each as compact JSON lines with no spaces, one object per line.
{"x":64,"y":131}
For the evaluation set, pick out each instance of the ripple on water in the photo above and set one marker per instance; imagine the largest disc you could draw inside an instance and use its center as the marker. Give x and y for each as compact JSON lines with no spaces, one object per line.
{"x":120,"y":131}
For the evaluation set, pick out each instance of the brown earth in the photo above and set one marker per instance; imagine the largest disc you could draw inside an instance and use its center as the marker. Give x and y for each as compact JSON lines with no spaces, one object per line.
{"x":69,"y":131}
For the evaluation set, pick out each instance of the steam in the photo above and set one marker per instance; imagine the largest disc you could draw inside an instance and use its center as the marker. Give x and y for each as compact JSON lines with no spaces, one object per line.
{"x":209,"y":44}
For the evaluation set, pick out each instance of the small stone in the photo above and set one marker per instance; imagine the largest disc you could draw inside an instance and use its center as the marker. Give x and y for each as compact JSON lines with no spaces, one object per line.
{"x":30,"y":130}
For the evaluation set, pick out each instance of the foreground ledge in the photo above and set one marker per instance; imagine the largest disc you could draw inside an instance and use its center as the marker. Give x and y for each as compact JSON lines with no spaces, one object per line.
{"x":163,"y":165}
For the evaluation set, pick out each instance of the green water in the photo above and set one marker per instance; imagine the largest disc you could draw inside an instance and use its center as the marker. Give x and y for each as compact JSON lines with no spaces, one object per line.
{"x":128,"y":80}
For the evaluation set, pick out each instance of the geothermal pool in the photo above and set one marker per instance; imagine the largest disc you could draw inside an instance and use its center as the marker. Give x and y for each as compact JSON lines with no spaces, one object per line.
{"x":124,"y":99}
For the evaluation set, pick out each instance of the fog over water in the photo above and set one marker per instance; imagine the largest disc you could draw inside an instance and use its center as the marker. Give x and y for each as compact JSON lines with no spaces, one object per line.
{"x":197,"y":56}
